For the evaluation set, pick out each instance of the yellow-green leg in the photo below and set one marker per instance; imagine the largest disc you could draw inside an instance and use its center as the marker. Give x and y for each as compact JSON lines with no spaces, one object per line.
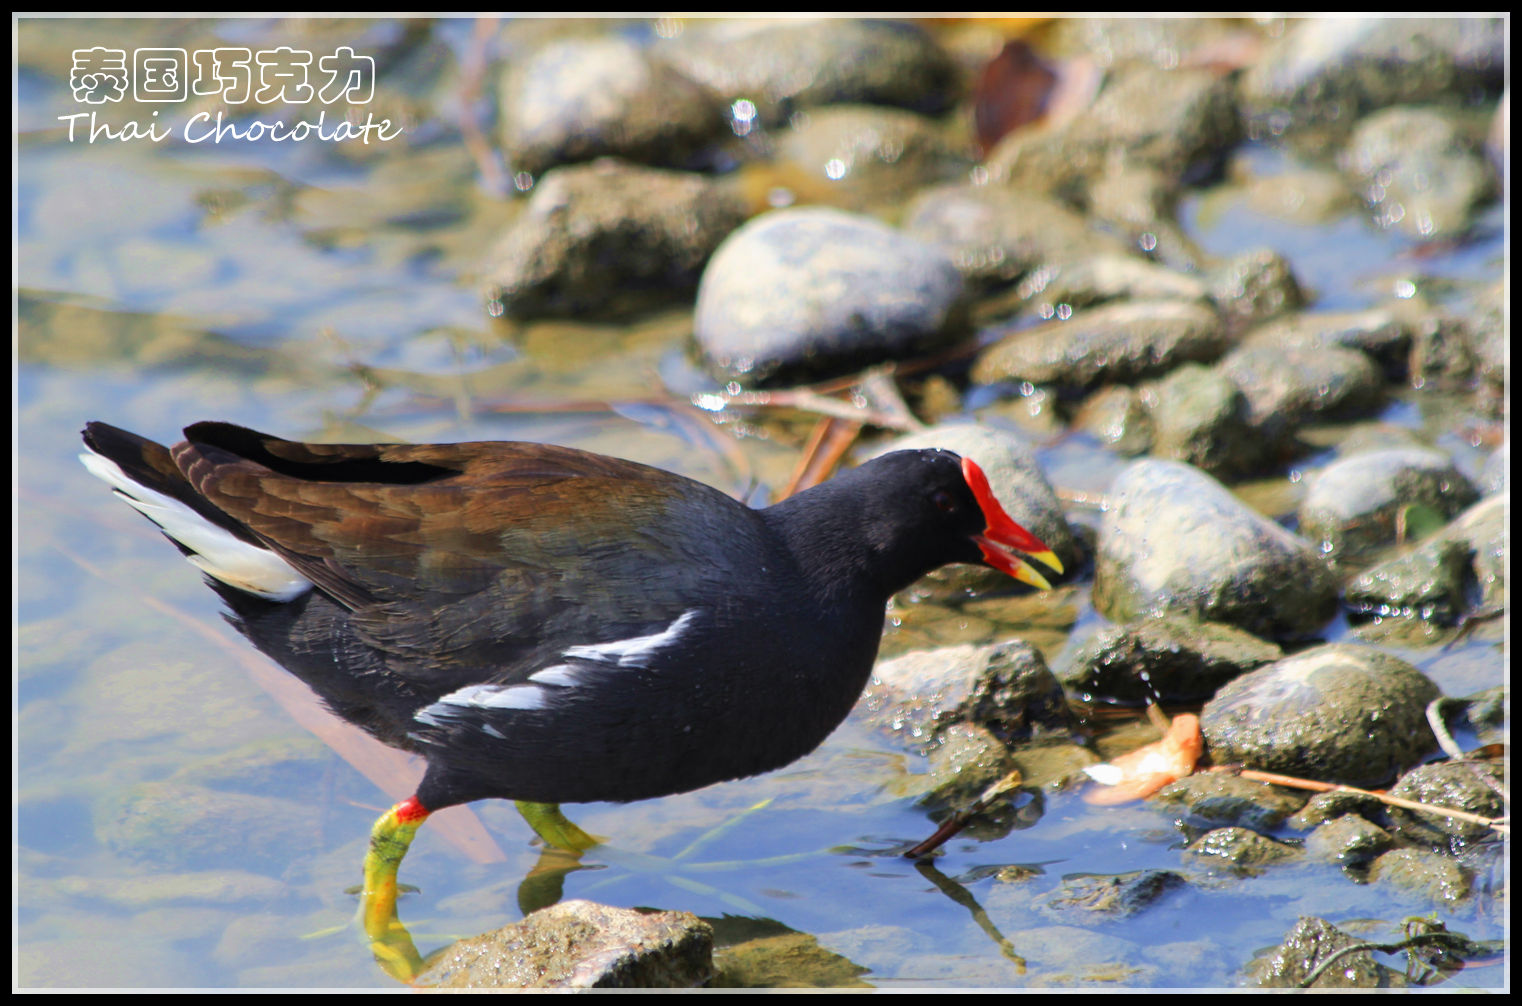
{"x":389,"y":939}
{"x":554,"y":827}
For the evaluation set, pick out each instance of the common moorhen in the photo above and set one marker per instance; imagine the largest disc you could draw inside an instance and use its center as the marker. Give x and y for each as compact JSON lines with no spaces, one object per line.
{"x":549,"y":625}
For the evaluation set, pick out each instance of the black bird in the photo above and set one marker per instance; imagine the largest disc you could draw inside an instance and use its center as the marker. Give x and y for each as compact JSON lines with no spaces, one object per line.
{"x":549,"y":625}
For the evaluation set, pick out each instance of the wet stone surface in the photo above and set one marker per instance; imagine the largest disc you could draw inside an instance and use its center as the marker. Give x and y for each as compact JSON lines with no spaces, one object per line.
{"x":1239,"y":849}
{"x":609,"y":239}
{"x":817,"y":291}
{"x":1461,"y":566}
{"x":580,"y":944}
{"x":1117,"y":895}
{"x":1337,"y":712}
{"x":1418,"y":171}
{"x":1174,"y":540}
{"x":1219,"y":798}
{"x":1005,"y":687}
{"x":1348,"y":841}
{"x":784,"y":66}
{"x":1122,"y":342}
{"x":1474,"y":787}
{"x":1357,"y":501}
{"x":1163,"y":660}
{"x":1308,"y":945}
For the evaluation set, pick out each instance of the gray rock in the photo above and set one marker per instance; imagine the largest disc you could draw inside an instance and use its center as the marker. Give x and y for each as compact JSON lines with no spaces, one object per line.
{"x":1141,"y":202}
{"x":1174,"y":540}
{"x":181,"y":826}
{"x":1102,"y":276}
{"x":1433,"y":878}
{"x":581,"y":945}
{"x":968,"y":760}
{"x":1118,"y":417}
{"x":1254,"y":286}
{"x":1245,"y":850}
{"x":1330,"y":71}
{"x":580,"y":99}
{"x":1355,"y":503}
{"x":787,"y":960}
{"x":1119,"y":895}
{"x":1219,"y":798}
{"x":1348,"y":840}
{"x":1337,"y":712}
{"x":868,"y":154}
{"x":1288,"y":387}
{"x":781,"y":66}
{"x":996,"y":234}
{"x":1418,"y":172}
{"x":1324,"y":807}
{"x":1005,"y":687}
{"x":1469,"y":786}
{"x":1171,"y":120}
{"x":1432,"y":581}
{"x":1163,"y":660}
{"x":1199,"y":416}
{"x":818,"y":291}
{"x":1495,"y":477}
{"x":1442,"y":348}
{"x":1310,"y":945}
{"x":1380,"y":332}
{"x":1113,"y":343}
{"x":609,"y":239}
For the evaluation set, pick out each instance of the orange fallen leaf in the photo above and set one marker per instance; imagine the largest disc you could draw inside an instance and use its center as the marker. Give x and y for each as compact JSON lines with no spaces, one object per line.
{"x":1148,"y":769}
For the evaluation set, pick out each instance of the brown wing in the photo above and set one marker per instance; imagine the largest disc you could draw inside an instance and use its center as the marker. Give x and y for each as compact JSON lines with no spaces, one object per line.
{"x":428,"y":524}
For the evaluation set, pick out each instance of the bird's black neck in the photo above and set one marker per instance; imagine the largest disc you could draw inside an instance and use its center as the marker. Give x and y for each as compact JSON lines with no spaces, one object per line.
{"x":846,"y":548}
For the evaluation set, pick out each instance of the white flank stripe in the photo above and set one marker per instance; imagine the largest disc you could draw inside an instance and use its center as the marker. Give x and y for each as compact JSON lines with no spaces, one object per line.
{"x":489,"y":697}
{"x":560,"y":674}
{"x":218,"y":553}
{"x":634,"y":652}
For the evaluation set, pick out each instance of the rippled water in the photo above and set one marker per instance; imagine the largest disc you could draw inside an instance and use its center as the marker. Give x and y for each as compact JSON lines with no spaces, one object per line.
{"x":187,"y":817}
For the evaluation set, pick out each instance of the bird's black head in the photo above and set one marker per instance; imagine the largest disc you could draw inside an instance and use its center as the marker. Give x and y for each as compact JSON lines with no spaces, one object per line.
{"x":901,"y":515}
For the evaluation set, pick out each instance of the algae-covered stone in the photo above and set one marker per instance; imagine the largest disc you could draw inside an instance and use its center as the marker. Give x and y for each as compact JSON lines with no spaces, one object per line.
{"x":1164,"y":660}
{"x":581,"y":944}
{"x":1337,"y":712}
{"x":1356,"y":502}
{"x":1175,"y":540}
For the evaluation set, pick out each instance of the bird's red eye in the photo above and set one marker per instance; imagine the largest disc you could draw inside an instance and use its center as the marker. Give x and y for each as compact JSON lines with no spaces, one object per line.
{"x":943,"y":501}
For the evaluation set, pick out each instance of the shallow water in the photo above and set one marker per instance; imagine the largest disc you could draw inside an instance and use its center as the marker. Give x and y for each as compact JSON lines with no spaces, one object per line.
{"x":187,"y":817}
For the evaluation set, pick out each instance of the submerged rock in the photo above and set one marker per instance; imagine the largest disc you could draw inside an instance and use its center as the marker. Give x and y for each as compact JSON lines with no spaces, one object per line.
{"x":1337,"y":712}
